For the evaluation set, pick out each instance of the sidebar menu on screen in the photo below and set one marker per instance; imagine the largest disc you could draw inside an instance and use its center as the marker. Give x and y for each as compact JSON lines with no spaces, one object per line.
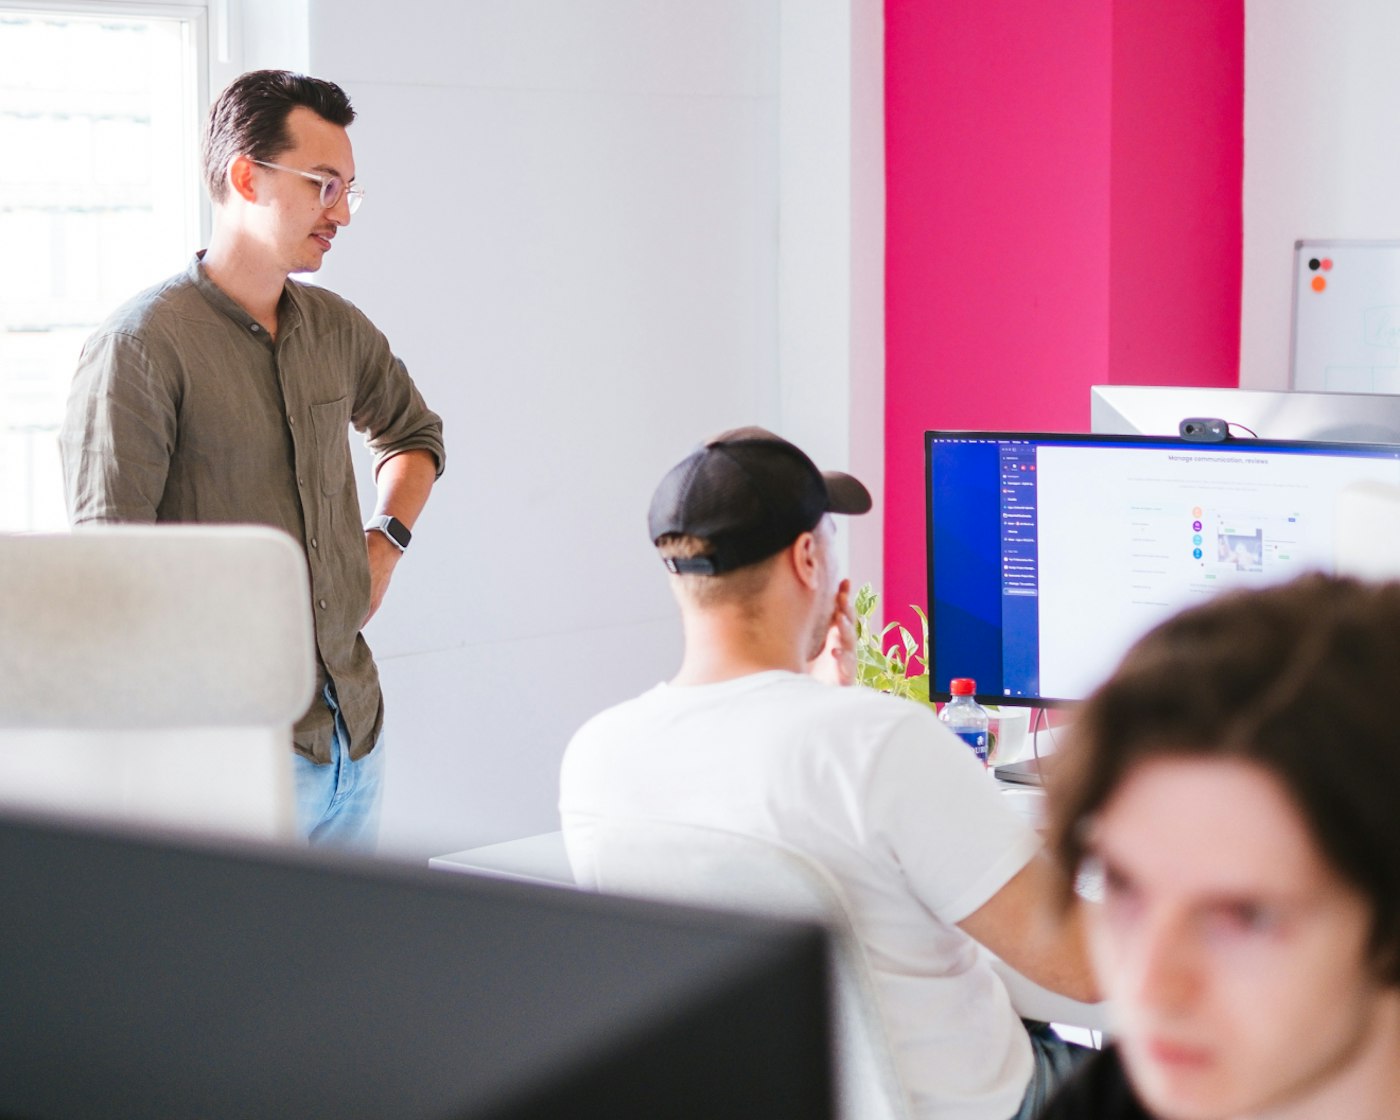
{"x":1019,"y":571}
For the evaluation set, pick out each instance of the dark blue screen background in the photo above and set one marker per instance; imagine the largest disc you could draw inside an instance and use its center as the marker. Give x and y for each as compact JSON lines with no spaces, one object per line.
{"x":964,"y":600}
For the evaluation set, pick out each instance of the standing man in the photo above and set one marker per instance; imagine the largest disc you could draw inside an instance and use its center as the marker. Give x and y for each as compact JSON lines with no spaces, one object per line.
{"x":750,"y":736}
{"x":225,"y":395}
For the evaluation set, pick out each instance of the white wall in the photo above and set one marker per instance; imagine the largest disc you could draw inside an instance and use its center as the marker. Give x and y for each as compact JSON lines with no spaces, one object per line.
{"x":831,"y":261}
{"x":1321,"y":152}
{"x":571,"y":236}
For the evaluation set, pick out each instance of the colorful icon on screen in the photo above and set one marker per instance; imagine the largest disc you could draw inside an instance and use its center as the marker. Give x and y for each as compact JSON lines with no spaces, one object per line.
{"x":1196,"y":552}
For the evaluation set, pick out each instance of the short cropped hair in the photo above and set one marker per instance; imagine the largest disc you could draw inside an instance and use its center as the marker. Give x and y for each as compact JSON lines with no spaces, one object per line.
{"x":250,"y":118}
{"x":734,"y":587}
{"x":1299,"y":679}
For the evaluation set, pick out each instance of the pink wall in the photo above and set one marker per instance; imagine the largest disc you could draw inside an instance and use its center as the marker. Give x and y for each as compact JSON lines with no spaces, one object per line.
{"x":1176,"y":238}
{"x":1063,"y":210}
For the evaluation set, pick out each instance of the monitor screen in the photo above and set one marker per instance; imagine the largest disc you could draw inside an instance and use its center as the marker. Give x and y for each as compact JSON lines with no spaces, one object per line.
{"x":147,"y":977}
{"x":1048,"y":555}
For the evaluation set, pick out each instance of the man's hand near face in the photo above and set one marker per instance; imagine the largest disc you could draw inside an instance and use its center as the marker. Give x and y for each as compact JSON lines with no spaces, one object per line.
{"x":836,"y":664}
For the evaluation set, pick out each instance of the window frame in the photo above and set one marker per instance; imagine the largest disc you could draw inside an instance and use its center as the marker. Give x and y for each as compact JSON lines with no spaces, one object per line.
{"x":212,"y":25}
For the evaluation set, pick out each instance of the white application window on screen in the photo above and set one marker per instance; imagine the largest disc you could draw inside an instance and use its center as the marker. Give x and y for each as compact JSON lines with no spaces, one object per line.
{"x":99,"y":198}
{"x":1141,"y":533}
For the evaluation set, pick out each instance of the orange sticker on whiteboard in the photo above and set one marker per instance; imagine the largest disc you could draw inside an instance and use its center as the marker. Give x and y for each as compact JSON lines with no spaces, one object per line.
{"x":1318,"y":283}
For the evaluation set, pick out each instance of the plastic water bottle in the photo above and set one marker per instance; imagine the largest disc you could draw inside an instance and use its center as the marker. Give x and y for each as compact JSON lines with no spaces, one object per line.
{"x":965,"y":717}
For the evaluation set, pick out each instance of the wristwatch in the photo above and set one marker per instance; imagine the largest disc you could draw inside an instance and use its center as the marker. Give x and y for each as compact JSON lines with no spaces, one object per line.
{"x":392,"y":528}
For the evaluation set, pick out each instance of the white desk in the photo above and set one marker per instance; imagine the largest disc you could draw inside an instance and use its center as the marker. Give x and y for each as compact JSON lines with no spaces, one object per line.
{"x":533,"y":859}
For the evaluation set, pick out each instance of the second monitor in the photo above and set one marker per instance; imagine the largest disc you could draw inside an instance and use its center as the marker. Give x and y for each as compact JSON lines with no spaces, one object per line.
{"x":1156,"y":410}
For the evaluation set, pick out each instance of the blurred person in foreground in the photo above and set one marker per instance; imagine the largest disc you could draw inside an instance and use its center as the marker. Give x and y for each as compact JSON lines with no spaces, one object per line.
{"x":1233,"y":788}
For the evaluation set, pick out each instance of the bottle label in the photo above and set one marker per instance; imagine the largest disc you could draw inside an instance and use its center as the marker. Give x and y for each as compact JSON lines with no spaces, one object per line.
{"x":977,"y":740}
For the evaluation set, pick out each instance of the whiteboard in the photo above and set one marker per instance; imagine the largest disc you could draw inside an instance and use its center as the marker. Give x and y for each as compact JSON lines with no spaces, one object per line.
{"x":1346,"y":316}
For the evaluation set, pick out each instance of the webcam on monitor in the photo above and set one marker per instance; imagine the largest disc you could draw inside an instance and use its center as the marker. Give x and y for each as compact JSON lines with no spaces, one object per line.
{"x":1204,"y":429}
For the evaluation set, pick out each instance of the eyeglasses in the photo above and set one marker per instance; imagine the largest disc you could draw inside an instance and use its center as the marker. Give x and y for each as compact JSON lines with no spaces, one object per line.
{"x":332,"y":186}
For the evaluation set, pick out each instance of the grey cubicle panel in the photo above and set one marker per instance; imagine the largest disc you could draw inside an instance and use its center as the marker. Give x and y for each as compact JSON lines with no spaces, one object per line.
{"x":145,"y":977}
{"x":153,"y":673}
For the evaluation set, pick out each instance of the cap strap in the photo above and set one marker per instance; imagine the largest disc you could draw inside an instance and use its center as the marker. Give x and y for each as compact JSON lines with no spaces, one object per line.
{"x":693,"y":565}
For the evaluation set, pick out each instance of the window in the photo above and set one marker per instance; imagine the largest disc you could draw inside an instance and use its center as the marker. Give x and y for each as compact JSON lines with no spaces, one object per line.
{"x":99,"y":198}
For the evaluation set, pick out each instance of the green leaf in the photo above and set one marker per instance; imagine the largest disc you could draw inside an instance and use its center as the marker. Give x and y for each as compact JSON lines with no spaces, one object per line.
{"x":911,"y":647}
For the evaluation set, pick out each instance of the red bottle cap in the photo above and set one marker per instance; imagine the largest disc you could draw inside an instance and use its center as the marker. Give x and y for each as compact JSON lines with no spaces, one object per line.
{"x":962,"y":686}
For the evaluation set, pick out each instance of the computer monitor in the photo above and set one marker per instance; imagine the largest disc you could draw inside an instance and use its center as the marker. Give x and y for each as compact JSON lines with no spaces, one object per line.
{"x":145,"y":977}
{"x":1157,"y":410}
{"x":1048,"y":555}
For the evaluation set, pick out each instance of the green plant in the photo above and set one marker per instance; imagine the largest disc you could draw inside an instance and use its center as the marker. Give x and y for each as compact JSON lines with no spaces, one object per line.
{"x":888,"y":669}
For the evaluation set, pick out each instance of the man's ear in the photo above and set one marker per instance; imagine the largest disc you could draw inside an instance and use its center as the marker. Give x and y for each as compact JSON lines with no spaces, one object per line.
{"x":240,"y":178}
{"x":806,"y":563}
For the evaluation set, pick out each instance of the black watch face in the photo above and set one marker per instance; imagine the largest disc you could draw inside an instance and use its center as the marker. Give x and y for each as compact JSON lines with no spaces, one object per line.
{"x":399,"y":532}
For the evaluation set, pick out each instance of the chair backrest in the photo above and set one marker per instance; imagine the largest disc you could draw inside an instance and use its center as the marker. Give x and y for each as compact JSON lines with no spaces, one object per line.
{"x":153,"y":674}
{"x":712,"y":867}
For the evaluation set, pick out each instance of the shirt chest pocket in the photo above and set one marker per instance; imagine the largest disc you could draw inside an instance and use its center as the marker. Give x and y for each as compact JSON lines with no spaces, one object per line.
{"x":330,"y":424}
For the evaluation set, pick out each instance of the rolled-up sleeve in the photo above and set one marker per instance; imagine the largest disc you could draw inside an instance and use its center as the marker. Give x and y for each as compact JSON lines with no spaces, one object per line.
{"x":118,"y":433}
{"x":388,"y":408}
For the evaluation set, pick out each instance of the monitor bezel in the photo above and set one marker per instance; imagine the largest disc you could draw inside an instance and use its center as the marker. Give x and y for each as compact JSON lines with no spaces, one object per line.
{"x":936,"y":695}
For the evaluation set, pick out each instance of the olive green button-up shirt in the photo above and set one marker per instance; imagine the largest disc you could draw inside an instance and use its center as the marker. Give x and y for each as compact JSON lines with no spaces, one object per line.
{"x":182,"y":409}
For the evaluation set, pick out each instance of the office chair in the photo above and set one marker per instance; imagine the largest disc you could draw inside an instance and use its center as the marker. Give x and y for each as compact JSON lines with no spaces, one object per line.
{"x":152,"y":675}
{"x":711,"y":867}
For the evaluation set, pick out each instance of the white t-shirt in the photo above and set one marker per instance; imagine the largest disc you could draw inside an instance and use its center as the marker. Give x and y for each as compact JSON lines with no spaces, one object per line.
{"x":879,"y":792}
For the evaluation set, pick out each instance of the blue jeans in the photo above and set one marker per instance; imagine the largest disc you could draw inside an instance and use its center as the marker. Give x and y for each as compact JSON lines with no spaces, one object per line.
{"x":338,"y":801}
{"x":1055,"y":1060}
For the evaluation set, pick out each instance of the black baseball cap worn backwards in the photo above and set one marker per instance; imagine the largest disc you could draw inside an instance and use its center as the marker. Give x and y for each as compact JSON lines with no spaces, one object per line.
{"x":749,"y":494}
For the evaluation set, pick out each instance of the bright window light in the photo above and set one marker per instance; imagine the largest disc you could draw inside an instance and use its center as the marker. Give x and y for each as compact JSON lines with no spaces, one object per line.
{"x":99,"y":199}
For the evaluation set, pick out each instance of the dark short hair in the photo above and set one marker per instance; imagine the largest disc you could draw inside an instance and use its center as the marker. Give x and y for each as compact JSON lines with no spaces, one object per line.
{"x":1299,"y":679}
{"x":250,"y":118}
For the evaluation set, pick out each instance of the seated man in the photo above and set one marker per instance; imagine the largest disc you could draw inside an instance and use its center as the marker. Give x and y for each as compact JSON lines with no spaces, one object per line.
{"x":749,"y":737}
{"x":1234,"y":785}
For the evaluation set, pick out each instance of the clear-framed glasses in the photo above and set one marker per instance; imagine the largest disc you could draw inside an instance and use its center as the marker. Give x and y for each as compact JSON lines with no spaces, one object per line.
{"x":332,"y":186}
